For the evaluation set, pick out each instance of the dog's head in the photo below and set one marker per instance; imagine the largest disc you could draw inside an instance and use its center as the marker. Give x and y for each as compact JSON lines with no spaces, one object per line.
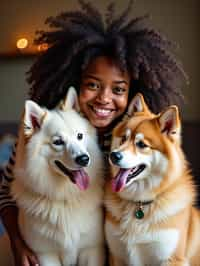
{"x":56,"y":141}
{"x":145,"y":149}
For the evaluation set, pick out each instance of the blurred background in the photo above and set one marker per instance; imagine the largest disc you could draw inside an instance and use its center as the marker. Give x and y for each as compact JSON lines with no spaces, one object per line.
{"x":179,"y":20}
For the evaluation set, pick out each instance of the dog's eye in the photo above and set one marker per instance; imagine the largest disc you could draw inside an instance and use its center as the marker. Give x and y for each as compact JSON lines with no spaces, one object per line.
{"x":79,"y":136}
{"x":140,"y":144}
{"x":123,"y":139}
{"x":58,"y":142}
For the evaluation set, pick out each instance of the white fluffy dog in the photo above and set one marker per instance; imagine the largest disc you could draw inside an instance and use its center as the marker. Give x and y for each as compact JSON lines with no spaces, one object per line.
{"x":58,"y":185}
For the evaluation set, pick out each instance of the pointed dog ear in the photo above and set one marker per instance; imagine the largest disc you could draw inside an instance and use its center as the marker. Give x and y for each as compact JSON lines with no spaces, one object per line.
{"x":169,"y":122}
{"x":70,"y":101}
{"x":137,"y":105}
{"x":33,"y":117}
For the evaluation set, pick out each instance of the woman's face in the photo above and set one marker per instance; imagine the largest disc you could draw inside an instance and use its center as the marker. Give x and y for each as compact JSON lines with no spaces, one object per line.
{"x":103,"y":92}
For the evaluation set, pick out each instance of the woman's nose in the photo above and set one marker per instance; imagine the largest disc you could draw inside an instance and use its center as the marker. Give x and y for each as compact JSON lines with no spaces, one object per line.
{"x":104,"y":96}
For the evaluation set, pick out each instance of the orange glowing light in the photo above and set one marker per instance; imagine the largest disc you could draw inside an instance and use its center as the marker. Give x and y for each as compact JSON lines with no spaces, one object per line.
{"x":43,"y":47}
{"x":22,"y":43}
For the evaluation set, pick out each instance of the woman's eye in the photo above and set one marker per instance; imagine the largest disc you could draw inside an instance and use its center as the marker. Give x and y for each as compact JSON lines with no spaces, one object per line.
{"x":119,"y":90}
{"x":79,"y":136}
{"x":58,"y":142}
{"x":92,"y":85}
{"x":140,"y":144}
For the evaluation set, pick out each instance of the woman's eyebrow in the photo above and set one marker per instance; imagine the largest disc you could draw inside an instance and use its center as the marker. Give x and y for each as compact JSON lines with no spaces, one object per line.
{"x":120,"y":81}
{"x":98,"y":79}
{"x":91,"y":76}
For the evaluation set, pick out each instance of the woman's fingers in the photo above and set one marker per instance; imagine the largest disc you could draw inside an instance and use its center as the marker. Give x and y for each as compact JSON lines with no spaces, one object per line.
{"x":23,"y":255}
{"x":33,"y":260}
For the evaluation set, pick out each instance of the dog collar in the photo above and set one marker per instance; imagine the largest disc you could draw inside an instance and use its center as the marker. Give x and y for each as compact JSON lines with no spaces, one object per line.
{"x":139,"y":212}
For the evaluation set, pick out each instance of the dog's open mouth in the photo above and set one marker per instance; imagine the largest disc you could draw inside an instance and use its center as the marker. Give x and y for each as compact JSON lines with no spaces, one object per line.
{"x":78,"y":177}
{"x":125,"y":175}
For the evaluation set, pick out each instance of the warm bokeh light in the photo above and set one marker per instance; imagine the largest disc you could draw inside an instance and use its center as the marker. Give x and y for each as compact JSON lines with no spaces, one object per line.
{"x":22,"y":43}
{"x":43,"y":47}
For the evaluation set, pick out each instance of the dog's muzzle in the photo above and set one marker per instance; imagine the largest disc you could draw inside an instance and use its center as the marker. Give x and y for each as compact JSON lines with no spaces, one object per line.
{"x":82,"y":160}
{"x":77,"y":176}
{"x":115,"y":157}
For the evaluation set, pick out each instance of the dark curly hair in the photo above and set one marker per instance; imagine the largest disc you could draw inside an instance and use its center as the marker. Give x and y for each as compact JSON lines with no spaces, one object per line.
{"x":75,"y":38}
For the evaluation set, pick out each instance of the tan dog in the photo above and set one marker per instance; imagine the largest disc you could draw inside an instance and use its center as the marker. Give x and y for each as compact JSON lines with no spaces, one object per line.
{"x":150,"y":218}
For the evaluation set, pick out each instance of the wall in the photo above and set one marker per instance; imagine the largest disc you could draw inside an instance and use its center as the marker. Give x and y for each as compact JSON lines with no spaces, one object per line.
{"x":13,"y":87}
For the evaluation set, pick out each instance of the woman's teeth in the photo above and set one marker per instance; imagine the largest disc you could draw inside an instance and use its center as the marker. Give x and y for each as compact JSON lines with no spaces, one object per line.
{"x":101,"y":112}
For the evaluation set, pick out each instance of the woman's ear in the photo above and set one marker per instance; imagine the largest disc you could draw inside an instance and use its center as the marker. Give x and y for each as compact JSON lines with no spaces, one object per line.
{"x":137,"y":105}
{"x":70,"y":101}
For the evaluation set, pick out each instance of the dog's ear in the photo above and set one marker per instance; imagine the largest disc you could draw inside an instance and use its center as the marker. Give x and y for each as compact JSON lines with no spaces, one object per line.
{"x":70,"y":101}
{"x":137,"y":105}
{"x":169,"y":122}
{"x":33,"y":117}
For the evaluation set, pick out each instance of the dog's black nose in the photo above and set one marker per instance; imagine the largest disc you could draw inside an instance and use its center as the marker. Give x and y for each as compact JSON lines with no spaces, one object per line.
{"x":115,"y":156}
{"x":82,"y":160}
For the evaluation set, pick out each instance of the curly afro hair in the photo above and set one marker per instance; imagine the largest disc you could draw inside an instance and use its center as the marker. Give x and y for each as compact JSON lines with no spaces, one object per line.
{"x":75,"y":38}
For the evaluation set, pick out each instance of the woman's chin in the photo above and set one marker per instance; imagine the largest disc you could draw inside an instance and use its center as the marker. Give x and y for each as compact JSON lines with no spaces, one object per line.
{"x":101,"y":123}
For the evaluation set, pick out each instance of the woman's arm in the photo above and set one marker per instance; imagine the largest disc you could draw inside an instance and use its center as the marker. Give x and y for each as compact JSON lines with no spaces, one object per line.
{"x":8,"y":207}
{"x":9,"y":215}
{"x":23,"y":255}
{"x":6,"y":180}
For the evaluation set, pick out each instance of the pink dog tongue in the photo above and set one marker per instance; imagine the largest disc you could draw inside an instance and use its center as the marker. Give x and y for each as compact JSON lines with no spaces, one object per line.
{"x":81,"y":179}
{"x":120,"y":180}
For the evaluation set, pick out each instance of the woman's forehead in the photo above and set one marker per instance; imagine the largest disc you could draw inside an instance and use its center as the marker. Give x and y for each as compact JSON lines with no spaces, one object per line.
{"x":104,"y":66}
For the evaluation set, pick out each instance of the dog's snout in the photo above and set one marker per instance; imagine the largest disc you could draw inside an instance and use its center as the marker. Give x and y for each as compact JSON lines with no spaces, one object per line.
{"x":82,"y":160}
{"x":115,"y":157}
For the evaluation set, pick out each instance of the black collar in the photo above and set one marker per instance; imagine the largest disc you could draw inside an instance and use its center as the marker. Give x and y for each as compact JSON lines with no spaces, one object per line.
{"x":143,"y":203}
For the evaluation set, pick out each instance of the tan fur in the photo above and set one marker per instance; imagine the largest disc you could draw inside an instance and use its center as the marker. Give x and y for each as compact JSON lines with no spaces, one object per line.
{"x":172,"y":208}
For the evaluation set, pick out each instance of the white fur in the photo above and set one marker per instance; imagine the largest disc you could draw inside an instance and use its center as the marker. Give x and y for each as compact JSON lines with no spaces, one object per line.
{"x":62,"y":224}
{"x":157,"y":246}
{"x":139,"y":136}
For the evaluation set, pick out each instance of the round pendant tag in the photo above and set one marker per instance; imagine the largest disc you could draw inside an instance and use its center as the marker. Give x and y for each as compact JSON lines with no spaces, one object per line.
{"x":139,"y":214}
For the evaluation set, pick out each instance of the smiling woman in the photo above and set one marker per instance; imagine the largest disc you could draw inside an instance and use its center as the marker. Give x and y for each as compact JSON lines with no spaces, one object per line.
{"x":103,"y":92}
{"x":108,"y":60}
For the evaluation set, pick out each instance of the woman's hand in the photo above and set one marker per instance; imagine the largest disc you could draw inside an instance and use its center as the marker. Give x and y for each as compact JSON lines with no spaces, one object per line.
{"x":23,"y":255}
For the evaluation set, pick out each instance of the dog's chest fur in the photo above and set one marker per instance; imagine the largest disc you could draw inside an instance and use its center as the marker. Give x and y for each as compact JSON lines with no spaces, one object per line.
{"x":136,"y":237}
{"x":157,"y":246}
{"x":62,"y":222}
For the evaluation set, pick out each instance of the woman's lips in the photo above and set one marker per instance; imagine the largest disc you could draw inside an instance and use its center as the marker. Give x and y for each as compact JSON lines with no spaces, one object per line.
{"x":101,"y":112}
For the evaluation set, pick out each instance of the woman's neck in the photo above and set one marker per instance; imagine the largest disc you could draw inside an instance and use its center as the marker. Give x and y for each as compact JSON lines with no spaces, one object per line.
{"x":108,"y":129}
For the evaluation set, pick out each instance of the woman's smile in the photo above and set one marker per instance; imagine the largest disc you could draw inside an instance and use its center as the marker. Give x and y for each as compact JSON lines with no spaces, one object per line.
{"x":101,"y":112}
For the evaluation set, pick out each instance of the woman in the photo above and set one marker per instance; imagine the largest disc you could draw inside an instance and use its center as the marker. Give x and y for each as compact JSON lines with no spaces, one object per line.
{"x":108,"y":63}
